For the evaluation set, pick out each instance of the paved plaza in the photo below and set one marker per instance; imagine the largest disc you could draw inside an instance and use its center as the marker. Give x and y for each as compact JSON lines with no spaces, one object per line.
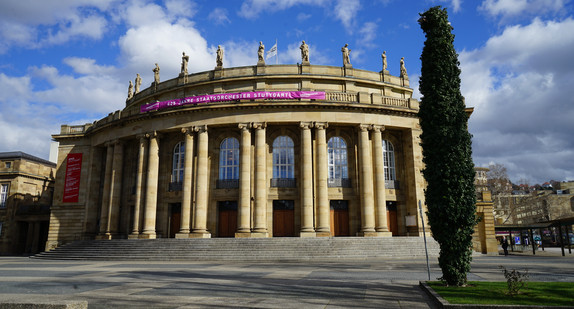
{"x":381,"y":283}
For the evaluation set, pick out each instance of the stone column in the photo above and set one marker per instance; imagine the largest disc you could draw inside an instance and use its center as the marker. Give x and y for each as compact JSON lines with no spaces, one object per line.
{"x":244,"y":209}
{"x":307,"y":226}
{"x":323,"y":209}
{"x":367,"y":197}
{"x":106,"y":194}
{"x":151,"y":187}
{"x":143,"y":144}
{"x":186,"y":185}
{"x":116,"y":190}
{"x":201,"y":193}
{"x":381,"y":200}
{"x":260,"y":218}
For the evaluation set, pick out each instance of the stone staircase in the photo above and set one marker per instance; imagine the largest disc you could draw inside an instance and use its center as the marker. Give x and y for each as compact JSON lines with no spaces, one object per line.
{"x":244,"y":249}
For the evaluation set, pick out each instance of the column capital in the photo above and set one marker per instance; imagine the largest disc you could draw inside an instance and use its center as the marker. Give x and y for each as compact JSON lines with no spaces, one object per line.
{"x":153,"y":134}
{"x":141,"y":137}
{"x":306,"y":125}
{"x":378,"y":128}
{"x":200,"y":129}
{"x":365,"y":127}
{"x":321,"y":125}
{"x":259,"y":125}
{"x":187,"y":130}
{"x":244,"y":126}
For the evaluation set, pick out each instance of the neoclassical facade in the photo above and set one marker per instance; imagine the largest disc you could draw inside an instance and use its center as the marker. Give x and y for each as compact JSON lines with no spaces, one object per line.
{"x":258,"y":151}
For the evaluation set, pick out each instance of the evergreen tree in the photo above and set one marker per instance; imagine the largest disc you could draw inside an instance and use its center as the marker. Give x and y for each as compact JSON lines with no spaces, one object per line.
{"x":446,"y":143}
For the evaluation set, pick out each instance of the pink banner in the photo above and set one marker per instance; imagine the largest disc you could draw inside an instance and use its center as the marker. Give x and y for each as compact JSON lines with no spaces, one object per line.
{"x":73,"y":174}
{"x":226,"y":97}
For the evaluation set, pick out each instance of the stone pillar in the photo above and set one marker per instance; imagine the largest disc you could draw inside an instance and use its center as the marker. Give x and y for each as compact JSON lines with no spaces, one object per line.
{"x":201,"y":188}
{"x":106,"y":194}
{"x":307,"y":226}
{"x":380,"y":190}
{"x":323,"y":208}
{"x":260,"y":218}
{"x":367,"y":197}
{"x":151,"y":187}
{"x":186,"y":185}
{"x":142,"y":147}
{"x":116,"y":190}
{"x":244,"y":209}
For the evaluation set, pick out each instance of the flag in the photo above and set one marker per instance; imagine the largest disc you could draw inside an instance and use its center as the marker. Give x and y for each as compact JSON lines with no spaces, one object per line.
{"x":272,"y":52}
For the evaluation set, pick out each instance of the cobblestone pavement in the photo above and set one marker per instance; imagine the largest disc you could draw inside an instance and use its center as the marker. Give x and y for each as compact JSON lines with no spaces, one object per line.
{"x":381,"y":283}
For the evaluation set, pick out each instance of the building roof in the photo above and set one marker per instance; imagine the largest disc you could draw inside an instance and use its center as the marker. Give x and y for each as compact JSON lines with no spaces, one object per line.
{"x":23,"y":155}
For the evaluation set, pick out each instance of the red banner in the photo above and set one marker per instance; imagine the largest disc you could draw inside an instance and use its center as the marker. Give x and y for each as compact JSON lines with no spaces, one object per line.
{"x":73,"y":174}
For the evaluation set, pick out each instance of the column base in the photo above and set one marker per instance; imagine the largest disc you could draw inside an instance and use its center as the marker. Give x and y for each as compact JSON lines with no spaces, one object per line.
{"x":148,"y":236}
{"x":369,"y":234}
{"x":259,"y":235}
{"x":384,"y":234}
{"x":242,"y":234}
{"x":323,"y":234}
{"x":307,"y":234}
{"x":106,"y":236}
{"x":199,"y":235}
{"x":133,"y":236}
{"x":181,"y":235}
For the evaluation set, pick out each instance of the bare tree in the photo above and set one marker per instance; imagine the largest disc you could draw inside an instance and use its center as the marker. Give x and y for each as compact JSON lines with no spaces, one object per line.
{"x":497,"y":179}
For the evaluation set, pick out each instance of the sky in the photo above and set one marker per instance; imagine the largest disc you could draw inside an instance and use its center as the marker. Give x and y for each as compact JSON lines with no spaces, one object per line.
{"x":70,"y":61}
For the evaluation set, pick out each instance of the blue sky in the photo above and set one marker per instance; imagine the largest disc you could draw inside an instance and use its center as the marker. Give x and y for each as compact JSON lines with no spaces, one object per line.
{"x":70,"y":62}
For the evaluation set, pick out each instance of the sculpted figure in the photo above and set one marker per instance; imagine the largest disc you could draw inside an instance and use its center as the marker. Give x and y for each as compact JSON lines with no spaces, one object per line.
{"x":261,"y":52}
{"x":184,"y":60}
{"x":156,"y":74}
{"x":138,"y":83}
{"x":130,"y":90}
{"x":219,"y":59}
{"x":346,"y":52}
{"x":403,"y":69}
{"x":384,"y":55}
{"x":304,"y":52}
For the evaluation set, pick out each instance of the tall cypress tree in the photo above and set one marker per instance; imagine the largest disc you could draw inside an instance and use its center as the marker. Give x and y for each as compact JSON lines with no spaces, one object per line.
{"x":446,"y":143}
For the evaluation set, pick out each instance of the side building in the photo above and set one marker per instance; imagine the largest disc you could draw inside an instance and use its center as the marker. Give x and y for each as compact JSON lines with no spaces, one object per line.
{"x":26,"y":191}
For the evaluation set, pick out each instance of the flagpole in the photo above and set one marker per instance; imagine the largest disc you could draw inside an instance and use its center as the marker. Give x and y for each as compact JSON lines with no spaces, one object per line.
{"x":276,"y":53}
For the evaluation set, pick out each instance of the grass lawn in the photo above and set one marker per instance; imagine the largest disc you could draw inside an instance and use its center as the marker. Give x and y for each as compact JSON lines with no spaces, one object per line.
{"x":495,"y":293}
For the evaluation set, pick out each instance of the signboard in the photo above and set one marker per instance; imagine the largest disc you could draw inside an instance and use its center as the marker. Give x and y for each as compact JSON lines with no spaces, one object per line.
{"x":73,"y":174}
{"x":228,"y":97}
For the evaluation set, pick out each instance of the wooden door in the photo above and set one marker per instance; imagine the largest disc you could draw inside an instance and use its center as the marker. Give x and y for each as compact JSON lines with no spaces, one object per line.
{"x":227,"y":218}
{"x":392,"y":218}
{"x":339,"y":218}
{"x":174,"y":219}
{"x":283,"y":218}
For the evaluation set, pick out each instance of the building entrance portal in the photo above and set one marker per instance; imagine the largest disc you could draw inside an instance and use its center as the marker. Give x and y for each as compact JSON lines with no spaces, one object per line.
{"x":392,"y":217}
{"x":174,"y":219}
{"x":339,"y":218}
{"x":283,"y":218}
{"x":227,"y":218}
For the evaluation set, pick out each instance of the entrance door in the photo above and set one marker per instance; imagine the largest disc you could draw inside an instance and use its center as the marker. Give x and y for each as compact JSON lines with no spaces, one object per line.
{"x":392,"y":218}
{"x":283,"y":218}
{"x":339,"y":218}
{"x":174,"y":219}
{"x":227,"y":218}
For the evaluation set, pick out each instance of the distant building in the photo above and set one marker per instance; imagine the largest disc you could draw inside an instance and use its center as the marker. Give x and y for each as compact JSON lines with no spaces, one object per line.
{"x":536,"y":206}
{"x":26,"y":190}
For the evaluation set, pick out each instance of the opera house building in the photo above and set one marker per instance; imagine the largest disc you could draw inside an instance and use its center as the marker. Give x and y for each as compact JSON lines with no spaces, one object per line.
{"x":257,"y":151}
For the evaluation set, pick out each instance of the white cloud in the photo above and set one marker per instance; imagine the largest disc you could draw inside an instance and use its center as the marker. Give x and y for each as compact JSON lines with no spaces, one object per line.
{"x":346,"y":11}
{"x":219,"y":16}
{"x":512,"y":8}
{"x":520,"y":85}
{"x":303,"y":17}
{"x":368,"y":34}
{"x":252,"y":8}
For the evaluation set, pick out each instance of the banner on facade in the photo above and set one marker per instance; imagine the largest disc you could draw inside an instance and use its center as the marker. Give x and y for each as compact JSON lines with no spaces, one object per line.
{"x":226,"y":97}
{"x":73,"y":174}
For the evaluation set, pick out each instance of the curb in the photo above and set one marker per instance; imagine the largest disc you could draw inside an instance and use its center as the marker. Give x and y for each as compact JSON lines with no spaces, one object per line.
{"x":443,"y":303}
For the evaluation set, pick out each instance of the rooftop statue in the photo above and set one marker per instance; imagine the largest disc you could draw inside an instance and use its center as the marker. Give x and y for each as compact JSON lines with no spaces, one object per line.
{"x":384,"y":55}
{"x":219,"y":58}
{"x":130,"y":90}
{"x":304,"y":52}
{"x":138,"y":83}
{"x":156,"y":74}
{"x":184,"y":61}
{"x":403,"y":69}
{"x":346,"y":52}
{"x":261,"y":53}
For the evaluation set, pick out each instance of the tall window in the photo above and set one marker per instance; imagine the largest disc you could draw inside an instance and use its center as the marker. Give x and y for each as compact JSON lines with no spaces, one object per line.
{"x":338,"y":170}
{"x":229,"y":159}
{"x":283,"y":162}
{"x":3,"y":195}
{"x":389,"y":161}
{"x":178,"y":162}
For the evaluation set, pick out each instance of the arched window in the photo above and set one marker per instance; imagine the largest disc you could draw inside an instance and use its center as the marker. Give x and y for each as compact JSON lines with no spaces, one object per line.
{"x":389,"y":162}
{"x":229,"y":159}
{"x":338,"y":168}
{"x":178,"y":163}
{"x":283,"y":162}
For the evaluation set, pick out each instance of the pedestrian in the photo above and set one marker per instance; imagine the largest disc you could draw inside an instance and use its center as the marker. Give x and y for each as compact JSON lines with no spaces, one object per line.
{"x":504,"y":243}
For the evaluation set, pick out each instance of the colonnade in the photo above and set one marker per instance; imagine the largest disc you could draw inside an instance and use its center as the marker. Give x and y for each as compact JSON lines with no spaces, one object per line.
{"x":315,"y":218}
